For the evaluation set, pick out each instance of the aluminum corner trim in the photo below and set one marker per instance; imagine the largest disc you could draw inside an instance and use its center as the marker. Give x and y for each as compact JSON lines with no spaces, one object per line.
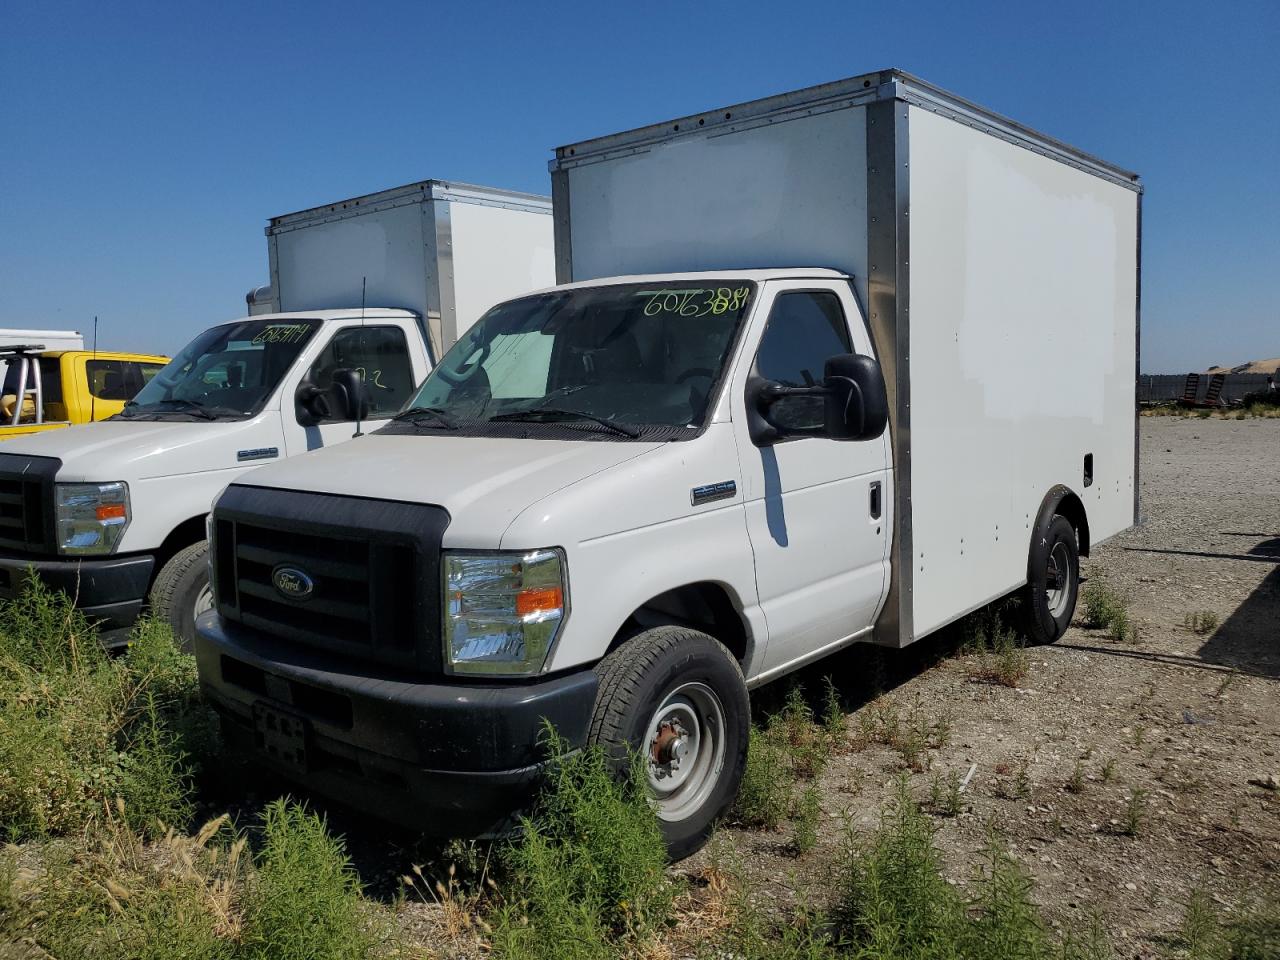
{"x":562,"y":225}
{"x":888,"y":294}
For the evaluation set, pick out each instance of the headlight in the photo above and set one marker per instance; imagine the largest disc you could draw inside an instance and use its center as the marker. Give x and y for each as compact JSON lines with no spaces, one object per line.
{"x":91,"y":517}
{"x":502,"y":611}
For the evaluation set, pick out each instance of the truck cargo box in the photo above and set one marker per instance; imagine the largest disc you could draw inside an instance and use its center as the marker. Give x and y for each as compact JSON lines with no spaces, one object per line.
{"x":446,"y":251}
{"x":998,"y":269}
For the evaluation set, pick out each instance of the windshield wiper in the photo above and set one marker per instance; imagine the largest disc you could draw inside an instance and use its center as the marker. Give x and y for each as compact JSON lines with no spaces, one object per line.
{"x":558,"y":413}
{"x":414,"y":414}
{"x":184,"y":406}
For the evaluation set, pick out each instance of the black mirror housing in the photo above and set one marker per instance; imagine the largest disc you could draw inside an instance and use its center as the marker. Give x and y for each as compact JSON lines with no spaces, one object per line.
{"x":349,"y":394}
{"x":855,"y":403}
{"x":856,"y":400}
{"x":311,"y":404}
{"x":345,"y":399}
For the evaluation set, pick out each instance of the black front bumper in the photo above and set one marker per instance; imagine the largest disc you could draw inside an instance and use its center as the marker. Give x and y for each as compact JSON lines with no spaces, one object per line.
{"x":110,"y":591}
{"x":444,"y":758}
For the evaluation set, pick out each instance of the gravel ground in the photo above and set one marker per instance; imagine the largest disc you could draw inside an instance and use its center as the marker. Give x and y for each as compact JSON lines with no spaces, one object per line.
{"x":1121,"y":774}
{"x":1179,"y":730}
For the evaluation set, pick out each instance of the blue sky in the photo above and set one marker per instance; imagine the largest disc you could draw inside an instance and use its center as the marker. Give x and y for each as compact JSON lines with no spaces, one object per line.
{"x":143,"y":146}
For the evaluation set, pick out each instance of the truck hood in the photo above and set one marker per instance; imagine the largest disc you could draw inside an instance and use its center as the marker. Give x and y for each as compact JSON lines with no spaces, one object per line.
{"x":141,"y":450}
{"x":484,"y":483}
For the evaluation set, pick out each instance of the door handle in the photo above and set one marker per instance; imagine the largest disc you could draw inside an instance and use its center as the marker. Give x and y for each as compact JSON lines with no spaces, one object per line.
{"x":875,"y":499}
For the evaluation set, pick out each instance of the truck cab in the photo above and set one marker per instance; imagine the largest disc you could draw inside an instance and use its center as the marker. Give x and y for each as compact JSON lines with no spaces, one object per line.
{"x":114,"y":512}
{"x":49,"y":389}
{"x":624,"y":455}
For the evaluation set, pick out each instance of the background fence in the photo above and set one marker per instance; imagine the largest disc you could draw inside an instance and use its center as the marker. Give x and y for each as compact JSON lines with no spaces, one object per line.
{"x":1158,"y":387}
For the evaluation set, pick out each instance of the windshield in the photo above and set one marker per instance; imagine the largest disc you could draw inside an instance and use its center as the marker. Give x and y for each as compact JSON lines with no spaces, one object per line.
{"x":227,"y":371}
{"x":614,"y":360}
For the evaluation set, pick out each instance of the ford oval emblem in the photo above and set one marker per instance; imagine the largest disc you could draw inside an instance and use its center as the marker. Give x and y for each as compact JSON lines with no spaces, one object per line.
{"x":292,"y":583}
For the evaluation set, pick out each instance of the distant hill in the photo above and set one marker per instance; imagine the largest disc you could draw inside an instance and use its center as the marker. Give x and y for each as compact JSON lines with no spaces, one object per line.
{"x":1255,"y":366}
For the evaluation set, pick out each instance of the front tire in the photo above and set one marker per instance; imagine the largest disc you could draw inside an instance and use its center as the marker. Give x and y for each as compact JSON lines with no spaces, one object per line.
{"x":181,"y":592}
{"x":1053,"y":580}
{"x":677,"y":697}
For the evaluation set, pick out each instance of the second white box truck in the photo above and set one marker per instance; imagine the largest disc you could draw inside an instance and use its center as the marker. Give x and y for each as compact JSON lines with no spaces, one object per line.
{"x":367,"y":292}
{"x":840,"y":365}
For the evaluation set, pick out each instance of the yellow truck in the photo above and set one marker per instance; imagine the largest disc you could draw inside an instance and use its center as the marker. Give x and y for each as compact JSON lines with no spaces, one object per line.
{"x":48,"y":389}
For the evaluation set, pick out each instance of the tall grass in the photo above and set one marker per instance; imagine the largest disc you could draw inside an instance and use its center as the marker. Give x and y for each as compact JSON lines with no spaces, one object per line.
{"x":79,"y":729}
{"x":896,"y":904}
{"x":304,"y":899}
{"x":587,"y":878}
{"x":109,"y":894}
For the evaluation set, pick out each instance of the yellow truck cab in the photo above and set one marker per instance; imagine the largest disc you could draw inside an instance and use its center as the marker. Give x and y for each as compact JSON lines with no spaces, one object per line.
{"x":47,"y":389}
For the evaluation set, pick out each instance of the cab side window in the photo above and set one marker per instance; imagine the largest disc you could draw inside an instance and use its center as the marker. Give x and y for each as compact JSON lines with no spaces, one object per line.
{"x":109,"y":379}
{"x":805,"y":328}
{"x":380,"y":355}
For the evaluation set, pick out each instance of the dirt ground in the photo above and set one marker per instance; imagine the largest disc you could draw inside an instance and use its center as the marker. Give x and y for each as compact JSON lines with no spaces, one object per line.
{"x":1191,"y":721}
{"x":1122,"y":775}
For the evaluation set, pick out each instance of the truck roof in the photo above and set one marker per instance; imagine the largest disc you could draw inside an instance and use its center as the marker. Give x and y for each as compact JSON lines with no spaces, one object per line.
{"x":410,"y":193}
{"x":865,"y":88}
{"x":754,"y":274}
{"x":109,"y":355}
{"x":324,"y":316}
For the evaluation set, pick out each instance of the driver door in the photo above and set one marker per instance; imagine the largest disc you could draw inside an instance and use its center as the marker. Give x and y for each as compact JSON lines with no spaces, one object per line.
{"x":380,"y":353}
{"x":816,"y":519}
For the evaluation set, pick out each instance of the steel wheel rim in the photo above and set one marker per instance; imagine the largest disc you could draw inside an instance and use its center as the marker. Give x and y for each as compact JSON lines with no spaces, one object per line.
{"x":1058,"y":579}
{"x":204,"y":600}
{"x":681,"y":776}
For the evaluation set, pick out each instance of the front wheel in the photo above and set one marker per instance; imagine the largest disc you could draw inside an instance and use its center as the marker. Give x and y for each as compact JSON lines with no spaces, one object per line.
{"x":677,"y":697}
{"x":181,"y":592}
{"x":1053,"y":579}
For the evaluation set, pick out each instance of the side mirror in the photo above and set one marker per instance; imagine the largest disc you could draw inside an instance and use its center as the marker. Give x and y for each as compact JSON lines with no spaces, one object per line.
{"x":311,"y":404}
{"x":344,"y":400}
{"x":856,"y":401}
{"x":349,"y":395}
{"x":850,"y":404}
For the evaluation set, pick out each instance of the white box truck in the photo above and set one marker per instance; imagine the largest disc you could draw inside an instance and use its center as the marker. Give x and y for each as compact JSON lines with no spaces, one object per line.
{"x":839,"y":365}
{"x":114,"y":512}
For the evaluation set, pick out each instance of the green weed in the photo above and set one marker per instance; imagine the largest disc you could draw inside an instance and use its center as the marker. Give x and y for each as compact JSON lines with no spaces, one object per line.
{"x":1102,"y":605}
{"x":1076,"y":783}
{"x":305,"y":900}
{"x":910,"y":735}
{"x":896,"y":905}
{"x":807,"y":745}
{"x":808,"y":816}
{"x":833,"y":720}
{"x":587,"y":877}
{"x":1201,"y":622}
{"x":79,"y":729}
{"x":996,"y":653}
{"x":945,"y":799}
{"x":1134,"y":812}
{"x":765,"y":793}
{"x":1252,"y":933}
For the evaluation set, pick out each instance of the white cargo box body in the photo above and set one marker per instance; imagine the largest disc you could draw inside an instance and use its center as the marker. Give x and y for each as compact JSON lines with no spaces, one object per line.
{"x":999,"y":271}
{"x":446,"y":251}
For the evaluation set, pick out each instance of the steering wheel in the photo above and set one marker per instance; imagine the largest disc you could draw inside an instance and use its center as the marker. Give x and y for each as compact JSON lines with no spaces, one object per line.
{"x":696,"y":372}
{"x":468,"y":370}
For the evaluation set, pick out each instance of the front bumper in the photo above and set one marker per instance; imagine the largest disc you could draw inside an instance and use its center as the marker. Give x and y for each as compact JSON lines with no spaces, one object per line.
{"x":110,"y":590}
{"x":438,"y":757}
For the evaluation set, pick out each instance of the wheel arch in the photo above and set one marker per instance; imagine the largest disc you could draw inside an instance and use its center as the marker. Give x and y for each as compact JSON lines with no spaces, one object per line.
{"x":705,"y":605}
{"x":189,"y":531}
{"x":1063,"y":500}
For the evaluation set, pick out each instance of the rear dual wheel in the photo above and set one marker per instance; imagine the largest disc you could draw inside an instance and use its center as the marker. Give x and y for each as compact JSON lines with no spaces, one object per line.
{"x":676,"y":696}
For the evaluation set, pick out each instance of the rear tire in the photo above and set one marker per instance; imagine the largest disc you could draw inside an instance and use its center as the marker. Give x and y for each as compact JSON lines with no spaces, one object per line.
{"x":676,"y":696}
{"x":1053,"y":581}
{"x":181,"y":592}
